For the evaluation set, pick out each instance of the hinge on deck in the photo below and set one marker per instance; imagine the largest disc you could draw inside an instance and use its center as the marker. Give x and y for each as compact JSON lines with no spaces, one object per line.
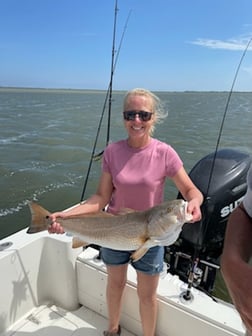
{"x":32,"y":318}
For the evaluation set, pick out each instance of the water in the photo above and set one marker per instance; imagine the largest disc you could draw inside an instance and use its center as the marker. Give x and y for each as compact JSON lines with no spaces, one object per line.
{"x":47,"y":137}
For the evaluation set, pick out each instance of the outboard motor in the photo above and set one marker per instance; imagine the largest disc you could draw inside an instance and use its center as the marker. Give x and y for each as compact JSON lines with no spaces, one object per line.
{"x":221,"y":177}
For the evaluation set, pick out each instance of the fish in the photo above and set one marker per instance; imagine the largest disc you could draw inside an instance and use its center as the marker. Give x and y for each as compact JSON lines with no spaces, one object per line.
{"x":135,"y":231}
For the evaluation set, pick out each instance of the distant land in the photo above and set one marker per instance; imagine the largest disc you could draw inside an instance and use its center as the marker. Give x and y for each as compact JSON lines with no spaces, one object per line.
{"x":38,"y":89}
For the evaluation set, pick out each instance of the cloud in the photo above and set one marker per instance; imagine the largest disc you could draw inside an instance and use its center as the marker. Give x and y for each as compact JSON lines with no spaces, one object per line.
{"x":230,"y":44}
{"x":248,"y":70}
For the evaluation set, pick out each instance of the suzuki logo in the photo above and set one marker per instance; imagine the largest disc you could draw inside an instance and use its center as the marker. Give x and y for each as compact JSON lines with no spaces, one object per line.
{"x":229,"y":208}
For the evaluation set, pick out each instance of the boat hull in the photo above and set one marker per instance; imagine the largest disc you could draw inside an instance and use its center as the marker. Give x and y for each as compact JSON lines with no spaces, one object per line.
{"x":42,"y":271}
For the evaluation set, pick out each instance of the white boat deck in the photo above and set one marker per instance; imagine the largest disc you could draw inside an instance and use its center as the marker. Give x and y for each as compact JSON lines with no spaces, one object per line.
{"x":48,"y":288}
{"x":55,"y":321}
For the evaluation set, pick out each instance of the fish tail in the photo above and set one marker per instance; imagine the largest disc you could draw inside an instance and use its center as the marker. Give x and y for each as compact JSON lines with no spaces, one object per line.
{"x":39,"y":221}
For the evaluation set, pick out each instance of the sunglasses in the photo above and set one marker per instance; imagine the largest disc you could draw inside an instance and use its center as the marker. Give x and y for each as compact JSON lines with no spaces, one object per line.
{"x":142,"y":115}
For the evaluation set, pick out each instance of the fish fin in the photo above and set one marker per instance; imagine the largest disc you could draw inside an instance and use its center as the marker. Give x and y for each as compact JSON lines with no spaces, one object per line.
{"x":126,"y":211}
{"x":101,"y":214}
{"x":39,"y":221}
{"x":139,"y":253}
{"x":77,"y":242}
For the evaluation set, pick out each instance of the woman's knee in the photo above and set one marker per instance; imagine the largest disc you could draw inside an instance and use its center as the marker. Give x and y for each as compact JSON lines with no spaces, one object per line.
{"x":117,"y":276}
{"x":147,"y":288}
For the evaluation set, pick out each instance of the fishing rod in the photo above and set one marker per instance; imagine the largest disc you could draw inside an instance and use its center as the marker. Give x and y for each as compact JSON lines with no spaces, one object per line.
{"x":187,"y":294}
{"x":98,"y":156}
{"x":111,"y":75}
{"x":108,"y":95}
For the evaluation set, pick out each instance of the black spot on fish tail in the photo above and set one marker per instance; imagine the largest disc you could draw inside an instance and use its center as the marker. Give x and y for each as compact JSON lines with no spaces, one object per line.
{"x":39,"y":220}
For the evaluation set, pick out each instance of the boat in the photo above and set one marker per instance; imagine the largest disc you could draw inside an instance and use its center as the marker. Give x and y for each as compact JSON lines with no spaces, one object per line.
{"x":49,"y":288}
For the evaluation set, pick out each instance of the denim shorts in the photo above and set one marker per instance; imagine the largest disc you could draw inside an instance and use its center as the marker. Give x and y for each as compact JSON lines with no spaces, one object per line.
{"x":151,"y":263}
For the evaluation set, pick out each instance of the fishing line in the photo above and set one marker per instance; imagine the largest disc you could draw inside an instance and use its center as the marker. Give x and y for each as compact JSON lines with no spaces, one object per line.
{"x":225,"y":114}
{"x":187,"y":294}
{"x":108,"y":95}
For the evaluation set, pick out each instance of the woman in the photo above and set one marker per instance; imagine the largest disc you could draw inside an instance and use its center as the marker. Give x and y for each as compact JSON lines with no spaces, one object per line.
{"x":133,"y":176}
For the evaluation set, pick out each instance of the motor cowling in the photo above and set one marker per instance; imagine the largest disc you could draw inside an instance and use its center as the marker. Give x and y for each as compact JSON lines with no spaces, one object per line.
{"x":221,"y":177}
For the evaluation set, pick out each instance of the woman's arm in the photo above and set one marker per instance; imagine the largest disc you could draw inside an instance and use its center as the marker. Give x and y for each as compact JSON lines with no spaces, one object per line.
{"x":190,"y":193}
{"x":93,"y":204}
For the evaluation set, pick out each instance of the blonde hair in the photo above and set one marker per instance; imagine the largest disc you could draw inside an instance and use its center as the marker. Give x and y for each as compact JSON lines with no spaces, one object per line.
{"x":157,"y":106}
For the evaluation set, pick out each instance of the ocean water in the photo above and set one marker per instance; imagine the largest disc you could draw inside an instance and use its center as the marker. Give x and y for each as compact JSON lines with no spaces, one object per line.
{"x":47,"y":138}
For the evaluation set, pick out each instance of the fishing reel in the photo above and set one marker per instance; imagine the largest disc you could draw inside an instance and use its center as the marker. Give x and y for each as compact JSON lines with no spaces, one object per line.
{"x":196,"y":272}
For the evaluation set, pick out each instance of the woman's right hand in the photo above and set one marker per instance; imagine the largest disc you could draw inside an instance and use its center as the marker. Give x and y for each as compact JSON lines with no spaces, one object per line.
{"x":56,"y":227}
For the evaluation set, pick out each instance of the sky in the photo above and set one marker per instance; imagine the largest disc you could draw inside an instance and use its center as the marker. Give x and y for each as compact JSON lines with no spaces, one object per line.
{"x":161,"y":45}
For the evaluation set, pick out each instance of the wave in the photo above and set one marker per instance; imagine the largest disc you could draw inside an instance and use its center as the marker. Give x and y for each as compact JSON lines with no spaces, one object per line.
{"x":12,"y":210}
{"x":38,"y":193}
{"x":16,"y":138}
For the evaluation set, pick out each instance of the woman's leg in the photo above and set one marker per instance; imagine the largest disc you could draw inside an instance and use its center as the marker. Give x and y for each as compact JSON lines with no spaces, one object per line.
{"x":117,"y":276}
{"x":147,"y":289}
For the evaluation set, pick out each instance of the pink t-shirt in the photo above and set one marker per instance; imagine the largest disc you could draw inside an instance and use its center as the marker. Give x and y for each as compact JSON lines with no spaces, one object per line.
{"x":138,"y":175}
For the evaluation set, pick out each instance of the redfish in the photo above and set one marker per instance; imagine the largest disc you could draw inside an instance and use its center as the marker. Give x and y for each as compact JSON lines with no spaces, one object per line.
{"x":135,"y":231}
